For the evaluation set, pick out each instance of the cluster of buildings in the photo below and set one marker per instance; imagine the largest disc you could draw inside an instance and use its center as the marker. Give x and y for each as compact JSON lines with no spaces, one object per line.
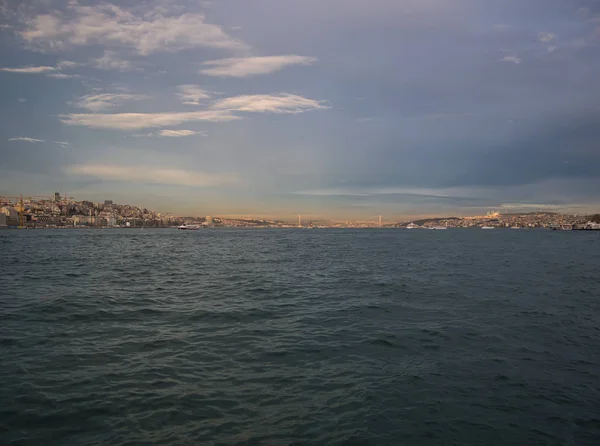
{"x":63,"y":212}
{"x":550,"y":220}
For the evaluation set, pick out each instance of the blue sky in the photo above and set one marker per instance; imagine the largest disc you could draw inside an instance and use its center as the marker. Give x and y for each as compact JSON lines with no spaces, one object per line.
{"x":328,"y":108}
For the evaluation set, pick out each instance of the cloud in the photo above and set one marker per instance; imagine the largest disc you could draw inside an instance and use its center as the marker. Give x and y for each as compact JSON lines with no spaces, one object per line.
{"x":283,"y":103}
{"x":192,"y":94}
{"x":110,"y":61}
{"x":447,"y":192}
{"x":29,"y":70}
{"x":62,"y":143}
{"x":63,"y":76}
{"x":513,"y":59}
{"x":67,"y":64}
{"x":101,"y":101}
{"x":221,"y":111}
{"x":49,"y":71}
{"x":21,"y":100}
{"x":26,"y":139}
{"x":110,"y":25}
{"x":546,"y":37}
{"x":143,"y":135}
{"x":147,"y":174}
{"x":169,"y":133}
{"x":134,"y":121}
{"x":179,"y":133}
{"x":251,"y":66}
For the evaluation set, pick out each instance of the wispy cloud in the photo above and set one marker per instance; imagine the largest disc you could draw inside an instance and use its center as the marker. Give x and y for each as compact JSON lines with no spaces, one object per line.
{"x":546,"y":37}
{"x":135,"y":121}
{"x":29,"y":70}
{"x":67,"y":65}
{"x":111,"y":61}
{"x":169,"y":134}
{"x":26,"y":139}
{"x":110,"y":25}
{"x":22,"y":100}
{"x":47,"y":70}
{"x":179,"y":133}
{"x":63,"y":76}
{"x":148,"y":174}
{"x":512,"y":59}
{"x":62,"y":143}
{"x":102,"y":101}
{"x":220,"y":111}
{"x":251,"y":66}
{"x":451,"y":192}
{"x":192,"y":94}
{"x":283,"y":103}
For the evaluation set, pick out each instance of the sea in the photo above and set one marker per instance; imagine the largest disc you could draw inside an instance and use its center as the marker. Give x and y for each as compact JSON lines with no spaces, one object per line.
{"x":297,"y":337}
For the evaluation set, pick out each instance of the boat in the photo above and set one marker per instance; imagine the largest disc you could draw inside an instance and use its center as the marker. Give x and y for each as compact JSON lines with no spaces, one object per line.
{"x":439,"y":227}
{"x":487,"y":227}
{"x":185,"y":227}
{"x":412,"y":226}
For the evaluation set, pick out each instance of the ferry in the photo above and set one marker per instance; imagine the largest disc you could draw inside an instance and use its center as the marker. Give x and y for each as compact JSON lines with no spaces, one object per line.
{"x":412,"y":226}
{"x":439,"y":227}
{"x":185,"y":227}
{"x":487,"y":227}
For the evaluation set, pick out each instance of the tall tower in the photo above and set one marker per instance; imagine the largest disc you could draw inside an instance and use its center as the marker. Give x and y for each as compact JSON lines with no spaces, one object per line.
{"x":299,"y":221}
{"x":380,"y":221}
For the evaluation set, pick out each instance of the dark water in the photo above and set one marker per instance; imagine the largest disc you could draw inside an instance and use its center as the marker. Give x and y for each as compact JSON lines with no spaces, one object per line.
{"x":281,"y":337}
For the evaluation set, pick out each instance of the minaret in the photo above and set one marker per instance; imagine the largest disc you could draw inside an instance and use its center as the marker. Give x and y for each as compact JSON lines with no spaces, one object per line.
{"x":299,"y":221}
{"x":380,"y":221}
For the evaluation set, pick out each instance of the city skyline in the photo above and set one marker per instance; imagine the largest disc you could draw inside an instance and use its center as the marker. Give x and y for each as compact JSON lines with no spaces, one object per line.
{"x":338,"y":109}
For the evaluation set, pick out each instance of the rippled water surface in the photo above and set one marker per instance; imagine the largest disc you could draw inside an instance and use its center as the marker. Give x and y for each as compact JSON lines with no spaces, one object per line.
{"x":281,"y":337}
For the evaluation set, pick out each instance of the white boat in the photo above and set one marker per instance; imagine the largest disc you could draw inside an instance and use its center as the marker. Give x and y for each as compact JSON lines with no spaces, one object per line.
{"x":487,"y":227}
{"x":185,"y":227}
{"x":412,"y":226}
{"x":439,"y":227}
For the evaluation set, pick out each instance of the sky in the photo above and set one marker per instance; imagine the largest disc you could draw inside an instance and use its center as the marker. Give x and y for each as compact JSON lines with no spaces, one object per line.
{"x":326,"y":108}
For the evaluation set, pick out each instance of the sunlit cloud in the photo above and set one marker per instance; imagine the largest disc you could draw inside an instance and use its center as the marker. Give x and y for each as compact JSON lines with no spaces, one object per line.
{"x":134,"y":121}
{"x":283,"y":103}
{"x":102,"y":101}
{"x":63,"y":76}
{"x":179,"y":133}
{"x":251,"y":66}
{"x":110,"y":25}
{"x":26,"y":139}
{"x":47,"y":70}
{"x":150,"y":174}
{"x":29,"y":70}
{"x":192,"y":94}
{"x":111,"y":61}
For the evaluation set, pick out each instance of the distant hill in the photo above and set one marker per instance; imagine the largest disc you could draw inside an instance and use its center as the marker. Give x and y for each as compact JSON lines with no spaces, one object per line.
{"x":512,"y":214}
{"x":433,"y":220}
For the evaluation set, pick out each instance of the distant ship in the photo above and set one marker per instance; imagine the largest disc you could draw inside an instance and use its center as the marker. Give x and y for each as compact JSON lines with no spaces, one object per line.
{"x":412,"y":226}
{"x":185,"y":227}
{"x":487,"y":227}
{"x":439,"y":227}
